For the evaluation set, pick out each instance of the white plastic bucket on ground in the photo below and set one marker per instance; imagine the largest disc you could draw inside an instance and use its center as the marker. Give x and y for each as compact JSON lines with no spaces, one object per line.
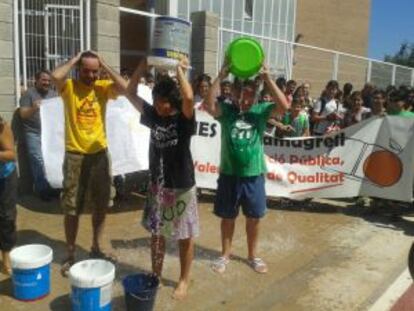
{"x":171,"y":41}
{"x":31,"y":271}
{"x":91,"y":282}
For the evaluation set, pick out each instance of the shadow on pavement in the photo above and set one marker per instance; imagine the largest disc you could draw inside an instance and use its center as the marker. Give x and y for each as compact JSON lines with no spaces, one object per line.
{"x":201,"y":253}
{"x":58,"y":246}
{"x":6,"y":287}
{"x":118,"y":303}
{"x":35,"y":204}
{"x":132,"y":202}
{"x":389,"y":216}
{"x":61,"y":303}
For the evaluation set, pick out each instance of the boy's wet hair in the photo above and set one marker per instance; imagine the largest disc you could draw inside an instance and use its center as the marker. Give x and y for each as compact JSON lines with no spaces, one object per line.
{"x":264,"y":92}
{"x":167,"y":88}
{"x":250,"y":84}
{"x":239,"y":84}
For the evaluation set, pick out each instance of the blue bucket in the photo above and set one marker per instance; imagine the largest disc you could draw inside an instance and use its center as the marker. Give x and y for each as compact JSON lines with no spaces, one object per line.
{"x":31,"y":271}
{"x":91,"y":282}
{"x":140,"y":291}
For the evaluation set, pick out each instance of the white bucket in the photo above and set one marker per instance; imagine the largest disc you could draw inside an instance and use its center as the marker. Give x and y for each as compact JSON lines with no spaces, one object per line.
{"x":91,"y":282}
{"x":171,"y":41}
{"x":31,"y":271}
{"x":31,"y":256}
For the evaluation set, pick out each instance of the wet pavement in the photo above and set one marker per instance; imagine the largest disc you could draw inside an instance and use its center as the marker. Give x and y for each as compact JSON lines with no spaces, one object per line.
{"x":323,"y":255}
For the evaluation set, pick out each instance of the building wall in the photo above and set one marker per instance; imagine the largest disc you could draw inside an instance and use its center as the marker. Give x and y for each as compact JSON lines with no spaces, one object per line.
{"x":268,"y":18}
{"x":337,"y":25}
{"x":7,"y":82}
{"x":204,"y":43}
{"x":105,"y":30}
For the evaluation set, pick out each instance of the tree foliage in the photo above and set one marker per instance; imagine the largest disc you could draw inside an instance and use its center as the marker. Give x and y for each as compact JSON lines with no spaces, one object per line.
{"x":404,"y":56}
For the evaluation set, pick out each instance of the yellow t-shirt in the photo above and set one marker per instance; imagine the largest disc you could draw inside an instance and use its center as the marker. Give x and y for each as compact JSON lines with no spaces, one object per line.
{"x":85,"y":108}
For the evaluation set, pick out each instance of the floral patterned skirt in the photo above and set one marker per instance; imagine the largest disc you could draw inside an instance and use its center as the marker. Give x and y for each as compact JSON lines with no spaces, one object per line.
{"x":172,"y":213}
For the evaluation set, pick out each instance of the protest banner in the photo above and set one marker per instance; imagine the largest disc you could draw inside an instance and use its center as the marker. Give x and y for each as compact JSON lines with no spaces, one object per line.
{"x":371,"y":158}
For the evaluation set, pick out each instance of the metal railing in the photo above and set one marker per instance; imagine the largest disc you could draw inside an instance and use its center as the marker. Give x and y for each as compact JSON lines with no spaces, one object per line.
{"x":317,"y":65}
{"x":48,"y":32}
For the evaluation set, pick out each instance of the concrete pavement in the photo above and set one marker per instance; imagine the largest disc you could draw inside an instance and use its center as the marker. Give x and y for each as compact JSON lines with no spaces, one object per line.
{"x":328,"y":255}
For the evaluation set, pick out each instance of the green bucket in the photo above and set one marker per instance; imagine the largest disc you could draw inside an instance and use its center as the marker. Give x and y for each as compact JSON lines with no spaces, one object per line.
{"x":245,"y":57}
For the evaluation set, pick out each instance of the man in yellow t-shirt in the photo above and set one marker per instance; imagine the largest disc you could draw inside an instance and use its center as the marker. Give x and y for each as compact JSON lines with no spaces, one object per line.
{"x":87,"y":180}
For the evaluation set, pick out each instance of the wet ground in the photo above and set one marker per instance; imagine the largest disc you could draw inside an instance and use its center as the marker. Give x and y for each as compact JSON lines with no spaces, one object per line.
{"x":323,"y":255}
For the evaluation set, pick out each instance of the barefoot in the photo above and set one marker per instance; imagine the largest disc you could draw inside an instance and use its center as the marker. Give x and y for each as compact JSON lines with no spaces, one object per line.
{"x":6,"y":269}
{"x":180,"y":292}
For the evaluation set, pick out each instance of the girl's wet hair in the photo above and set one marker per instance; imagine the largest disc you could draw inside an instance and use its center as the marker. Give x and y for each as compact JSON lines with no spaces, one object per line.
{"x":167,"y":88}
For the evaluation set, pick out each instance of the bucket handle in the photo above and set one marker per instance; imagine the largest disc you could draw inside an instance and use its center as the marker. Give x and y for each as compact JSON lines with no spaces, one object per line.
{"x":139,"y":298}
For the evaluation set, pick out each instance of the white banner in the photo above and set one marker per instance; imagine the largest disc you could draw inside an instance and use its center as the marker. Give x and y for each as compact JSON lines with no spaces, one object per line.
{"x":128,"y":140}
{"x":372,"y":158}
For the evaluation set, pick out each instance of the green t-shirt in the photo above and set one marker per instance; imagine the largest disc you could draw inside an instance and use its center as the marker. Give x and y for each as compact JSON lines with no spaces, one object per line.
{"x":403,"y":113}
{"x":300,"y":124}
{"x":242,"y":152}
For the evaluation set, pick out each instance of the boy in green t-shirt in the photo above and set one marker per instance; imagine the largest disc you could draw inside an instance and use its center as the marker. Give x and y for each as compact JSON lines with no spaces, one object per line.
{"x":296,"y":121}
{"x":242,"y":165}
{"x":397,"y":104}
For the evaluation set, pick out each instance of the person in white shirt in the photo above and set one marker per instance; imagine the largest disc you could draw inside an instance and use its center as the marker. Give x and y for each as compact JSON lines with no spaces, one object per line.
{"x":356,"y":112}
{"x":327,"y":110}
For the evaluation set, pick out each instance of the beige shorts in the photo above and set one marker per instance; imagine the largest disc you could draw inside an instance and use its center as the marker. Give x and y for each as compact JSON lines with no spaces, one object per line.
{"x":87,"y":182}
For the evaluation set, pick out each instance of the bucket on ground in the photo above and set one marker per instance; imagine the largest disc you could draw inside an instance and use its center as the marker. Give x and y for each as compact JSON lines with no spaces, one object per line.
{"x":91,"y":282}
{"x":31,"y":271}
{"x":170,"y":41}
{"x":140,"y":291}
{"x":245,"y":57}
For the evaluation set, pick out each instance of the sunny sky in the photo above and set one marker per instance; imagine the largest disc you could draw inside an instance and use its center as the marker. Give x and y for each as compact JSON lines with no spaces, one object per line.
{"x":392,"y":22}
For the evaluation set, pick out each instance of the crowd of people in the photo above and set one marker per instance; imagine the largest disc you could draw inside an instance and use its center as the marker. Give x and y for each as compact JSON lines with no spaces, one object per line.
{"x":333,"y":109}
{"x":260,"y":106}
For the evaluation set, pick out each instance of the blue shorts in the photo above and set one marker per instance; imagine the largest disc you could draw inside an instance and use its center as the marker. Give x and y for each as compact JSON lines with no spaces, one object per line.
{"x":247,"y":192}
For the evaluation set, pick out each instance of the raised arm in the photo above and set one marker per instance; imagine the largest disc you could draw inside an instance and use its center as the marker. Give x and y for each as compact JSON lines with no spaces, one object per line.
{"x":185,"y":89}
{"x":60,"y":73}
{"x":131,"y":91}
{"x":212,"y":106}
{"x":278,"y":96}
{"x":120,"y":83}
